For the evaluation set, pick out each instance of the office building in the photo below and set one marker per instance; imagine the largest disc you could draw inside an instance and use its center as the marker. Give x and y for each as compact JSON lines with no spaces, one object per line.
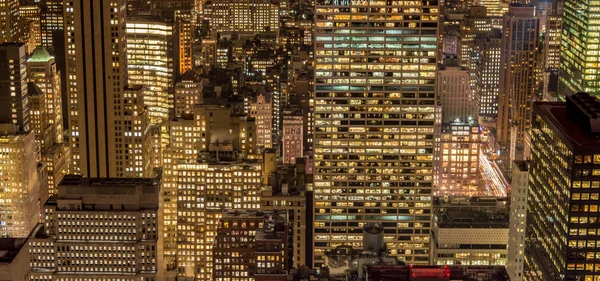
{"x":151,"y":61}
{"x":14,"y":100}
{"x":287,"y":191}
{"x":96,"y":78}
{"x":578,"y":55}
{"x":517,"y":78}
{"x":473,"y":231}
{"x":51,"y":21}
{"x":563,"y":191}
{"x":9,"y":21}
{"x":475,"y":23}
{"x":188,"y":93}
{"x":173,"y":8}
{"x":98,"y":227}
{"x":243,"y":16}
{"x":206,"y":188}
{"x":454,"y":91}
{"x":185,"y":29}
{"x":47,"y":116}
{"x":374,"y":116}
{"x":293,"y":137}
{"x":250,"y":245}
{"x":518,"y":219}
{"x":38,"y":119}
{"x":134,"y":143}
{"x":42,"y":72}
{"x":30,"y":26}
{"x":552,"y":35}
{"x":21,"y":194}
{"x":261,"y":110}
{"x":459,"y":160}
{"x":487,"y":73}
{"x":199,"y":190}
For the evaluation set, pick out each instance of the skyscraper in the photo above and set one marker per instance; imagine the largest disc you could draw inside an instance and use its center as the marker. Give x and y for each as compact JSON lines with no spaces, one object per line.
{"x":14,"y":100}
{"x":151,"y":61}
{"x":454,"y":91}
{"x":95,"y":43}
{"x":52,"y":19}
{"x":578,"y":49}
{"x":261,"y":110}
{"x":9,"y":21}
{"x":564,"y":188}
{"x":517,"y":77}
{"x":42,"y":72}
{"x":518,"y":219}
{"x":98,"y":227}
{"x":244,"y":16}
{"x":488,"y":74}
{"x":29,"y":26}
{"x":375,"y":106}
{"x":19,"y":199}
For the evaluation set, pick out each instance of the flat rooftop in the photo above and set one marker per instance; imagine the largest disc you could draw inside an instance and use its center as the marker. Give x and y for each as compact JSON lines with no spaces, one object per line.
{"x":473,"y":212}
{"x":9,"y":248}
{"x":571,"y":132}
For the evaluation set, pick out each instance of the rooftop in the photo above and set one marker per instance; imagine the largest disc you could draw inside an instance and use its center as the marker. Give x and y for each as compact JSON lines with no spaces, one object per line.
{"x":523,"y":166}
{"x":482,"y":212}
{"x":9,"y":248}
{"x":577,"y":122}
{"x":40,"y":55}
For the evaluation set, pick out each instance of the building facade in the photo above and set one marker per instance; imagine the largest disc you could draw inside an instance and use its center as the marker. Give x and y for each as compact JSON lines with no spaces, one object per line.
{"x":454,"y":91}
{"x":473,"y":231}
{"x":51,"y":21}
{"x":488,"y":74}
{"x":564,"y":184}
{"x":151,"y":61}
{"x":374,"y":117}
{"x":21,"y":195}
{"x":578,"y":70}
{"x":262,"y":111}
{"x":14,"y":100}
{"x":9,"y":21}
{"x":293,"y":137}
{"x":98,"y":227}
{"x":250,"y":245}
{"x":518,"y":219}
{"x":517,"y":77}
{"x":188,"y":93}
{"x":96,"y":80}
{"x":459,"y":160}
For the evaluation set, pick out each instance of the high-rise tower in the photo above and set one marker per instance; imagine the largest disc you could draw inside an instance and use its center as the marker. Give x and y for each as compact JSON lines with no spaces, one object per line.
{"x":375,"y":113}
{"x":579,"y":49}
{"x":9,"y":21}
{"x":14,"y":99}
{"x":95,"y":43}
{"x":564,"y":188}
{"x":517,"y":76}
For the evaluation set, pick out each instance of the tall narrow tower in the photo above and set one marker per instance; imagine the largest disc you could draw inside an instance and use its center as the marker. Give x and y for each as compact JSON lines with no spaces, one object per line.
{"x":95,"y":43}
{"x":375,"y":113}
{"x":517,"y":76}
{"x":579,"y":54}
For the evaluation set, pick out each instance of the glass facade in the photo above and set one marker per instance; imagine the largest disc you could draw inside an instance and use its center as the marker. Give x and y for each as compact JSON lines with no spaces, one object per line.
{"x":564,"y":191}
{"x":375,"y":112}
{"x":579,"y":54}
{"x":150,"y":62}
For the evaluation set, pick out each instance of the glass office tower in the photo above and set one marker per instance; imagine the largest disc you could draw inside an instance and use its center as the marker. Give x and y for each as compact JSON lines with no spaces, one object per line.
{"x":374,"y":123}
{"x":579,"y":52}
